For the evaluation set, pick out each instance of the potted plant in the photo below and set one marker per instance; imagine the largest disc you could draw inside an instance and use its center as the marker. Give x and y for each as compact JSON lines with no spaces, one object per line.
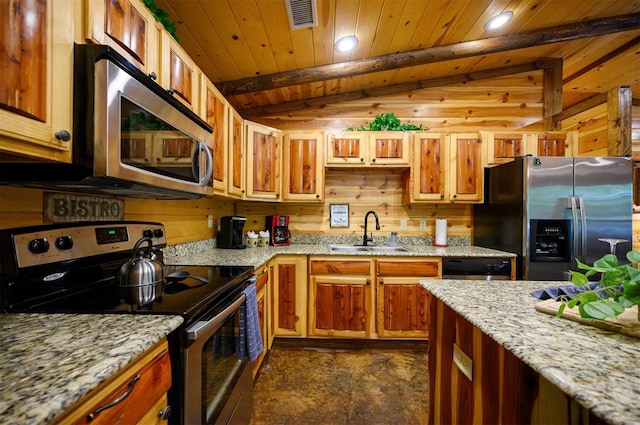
{"x":617,"y":289}
{"x":387,"y":122}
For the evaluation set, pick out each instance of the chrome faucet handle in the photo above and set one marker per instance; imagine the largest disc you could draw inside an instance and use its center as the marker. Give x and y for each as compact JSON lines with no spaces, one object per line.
{"x":613,"y":243}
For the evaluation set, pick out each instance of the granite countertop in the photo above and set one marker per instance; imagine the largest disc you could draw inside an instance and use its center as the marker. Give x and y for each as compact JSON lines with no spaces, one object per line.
{"x":597,"y":368}
{"x":206,"y":254}
{"x":50,"y":361}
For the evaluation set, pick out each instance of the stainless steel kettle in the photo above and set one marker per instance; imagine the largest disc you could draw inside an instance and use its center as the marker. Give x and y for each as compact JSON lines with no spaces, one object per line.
{"x":141,"y":278}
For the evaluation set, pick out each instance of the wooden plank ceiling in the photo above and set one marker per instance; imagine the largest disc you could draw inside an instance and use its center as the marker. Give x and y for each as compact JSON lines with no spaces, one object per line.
{"x":233,"y":40}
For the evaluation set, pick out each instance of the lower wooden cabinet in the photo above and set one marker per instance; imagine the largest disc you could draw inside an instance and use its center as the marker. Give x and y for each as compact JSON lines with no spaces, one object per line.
{"x":262,"y":297}
{"x":147,"y":380}
{"x":402,"y":307}
{"x":289,"y":295}
{"x":340,"y":297}
{"x":473,"y":379}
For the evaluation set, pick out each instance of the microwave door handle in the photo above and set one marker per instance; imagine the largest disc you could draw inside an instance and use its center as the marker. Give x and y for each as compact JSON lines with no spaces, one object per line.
{"x":195,"y":169}
{"x":209,"y":170}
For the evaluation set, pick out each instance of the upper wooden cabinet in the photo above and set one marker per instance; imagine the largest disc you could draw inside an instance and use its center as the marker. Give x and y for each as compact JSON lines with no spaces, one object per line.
{"x":215,"y":110}
{"x":36,"y":83}
{"x":366,"y":148}
{"x":428,"y":171}
{"x":303,"y":167}
{"x":264,"y":149}
{"x":465,"y":167}
{"x":445,"y":168}
{"x":179,"y":74}
{"x":505,"y":146}
{"x":127,"y":26}
{"x":236,"y":156}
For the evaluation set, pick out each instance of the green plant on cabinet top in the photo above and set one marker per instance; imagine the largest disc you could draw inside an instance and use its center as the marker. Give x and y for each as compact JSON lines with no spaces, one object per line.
{"x":387,"y":122}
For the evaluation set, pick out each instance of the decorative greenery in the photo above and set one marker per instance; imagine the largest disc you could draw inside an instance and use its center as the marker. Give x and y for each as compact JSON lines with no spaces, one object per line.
{"x":162,"y":17}
{"x":387,"y":122}
{"x":618,"y":288}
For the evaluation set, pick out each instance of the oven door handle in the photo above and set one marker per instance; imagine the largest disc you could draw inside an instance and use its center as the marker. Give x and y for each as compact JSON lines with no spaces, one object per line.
{"x":202,"y":327}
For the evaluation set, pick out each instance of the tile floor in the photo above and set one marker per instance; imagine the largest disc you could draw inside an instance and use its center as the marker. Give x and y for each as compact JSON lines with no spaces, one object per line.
{"x":364,"y":385}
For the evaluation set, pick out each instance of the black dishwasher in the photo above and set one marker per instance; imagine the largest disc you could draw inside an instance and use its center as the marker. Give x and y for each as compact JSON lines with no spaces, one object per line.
{"x":476,"y":268}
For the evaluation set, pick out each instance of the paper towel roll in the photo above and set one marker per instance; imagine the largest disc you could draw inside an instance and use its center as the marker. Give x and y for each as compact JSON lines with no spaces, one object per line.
{"x":441,"y":232}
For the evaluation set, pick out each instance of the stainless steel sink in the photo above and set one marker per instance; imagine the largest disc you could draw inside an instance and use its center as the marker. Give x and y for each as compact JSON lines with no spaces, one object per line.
{"x":373,"y":248}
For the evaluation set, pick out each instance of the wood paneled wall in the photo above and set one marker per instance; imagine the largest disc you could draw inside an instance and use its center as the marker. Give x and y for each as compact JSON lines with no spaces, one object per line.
{"x":185,"y":221}
{"x":379,"y":190}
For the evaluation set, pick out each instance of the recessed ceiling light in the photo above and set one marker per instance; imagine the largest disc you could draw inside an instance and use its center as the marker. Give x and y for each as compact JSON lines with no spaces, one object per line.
{"x":498,"y":20}
{"x":346,"y":44}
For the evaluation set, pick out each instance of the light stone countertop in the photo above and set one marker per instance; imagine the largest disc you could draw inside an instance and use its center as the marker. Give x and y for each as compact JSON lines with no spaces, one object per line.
{"x":50,"y":361}
{"x":597,"y":368}
{"x":206,"y":254}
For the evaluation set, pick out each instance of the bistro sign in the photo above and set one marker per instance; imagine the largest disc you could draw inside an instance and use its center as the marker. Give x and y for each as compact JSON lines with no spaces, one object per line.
{"x":65,"y":208}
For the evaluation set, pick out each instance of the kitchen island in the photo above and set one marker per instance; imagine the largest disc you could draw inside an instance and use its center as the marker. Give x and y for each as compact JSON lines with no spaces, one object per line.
{"x":594,"y":369}
{"x":48,"y":362}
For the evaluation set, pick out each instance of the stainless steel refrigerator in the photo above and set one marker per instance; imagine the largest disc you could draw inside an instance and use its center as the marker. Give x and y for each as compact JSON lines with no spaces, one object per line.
{"x":552,"y":210}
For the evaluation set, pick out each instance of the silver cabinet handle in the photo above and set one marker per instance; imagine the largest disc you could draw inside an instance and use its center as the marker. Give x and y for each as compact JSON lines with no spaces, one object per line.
{"x":91,"y":416}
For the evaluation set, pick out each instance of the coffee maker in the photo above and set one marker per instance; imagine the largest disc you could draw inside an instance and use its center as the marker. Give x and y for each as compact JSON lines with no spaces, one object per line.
{"x":278,"y":227}
{"x":230,"y":235}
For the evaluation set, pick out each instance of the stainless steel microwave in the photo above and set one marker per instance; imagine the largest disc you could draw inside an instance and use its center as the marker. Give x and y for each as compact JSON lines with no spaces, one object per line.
{"x":130,"y":137}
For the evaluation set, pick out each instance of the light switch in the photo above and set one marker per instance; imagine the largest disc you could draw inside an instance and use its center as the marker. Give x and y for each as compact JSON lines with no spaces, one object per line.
{"x":210,"y":221}
{"x":423,"y":224}
{"x":403,"y":224}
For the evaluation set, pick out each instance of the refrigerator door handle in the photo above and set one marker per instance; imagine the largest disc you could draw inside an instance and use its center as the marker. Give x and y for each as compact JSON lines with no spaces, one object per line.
{"x":575,"y":252}
{"x":583,"y":229}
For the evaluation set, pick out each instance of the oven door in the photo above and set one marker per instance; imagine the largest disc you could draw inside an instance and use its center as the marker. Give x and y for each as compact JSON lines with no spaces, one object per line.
{"x":218,"y":385}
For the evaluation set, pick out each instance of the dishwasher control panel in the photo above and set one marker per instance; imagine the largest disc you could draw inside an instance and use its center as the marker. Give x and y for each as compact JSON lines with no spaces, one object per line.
{"x":485,"y":267}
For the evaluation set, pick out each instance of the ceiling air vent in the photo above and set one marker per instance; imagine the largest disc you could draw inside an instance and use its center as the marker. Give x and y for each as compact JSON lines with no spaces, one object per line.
{"x":302,"y":13}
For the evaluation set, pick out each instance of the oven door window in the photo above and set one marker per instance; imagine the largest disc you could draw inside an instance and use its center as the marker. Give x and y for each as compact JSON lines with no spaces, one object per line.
{"x":221,"y":368}
{"x":149,"y":143}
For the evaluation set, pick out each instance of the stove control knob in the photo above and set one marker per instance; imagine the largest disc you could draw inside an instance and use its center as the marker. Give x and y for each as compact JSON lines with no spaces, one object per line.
{"x":158,"y":233}
{"x":39,"y":246}
{"x":64,"y":243}
{"x":147,"y":233}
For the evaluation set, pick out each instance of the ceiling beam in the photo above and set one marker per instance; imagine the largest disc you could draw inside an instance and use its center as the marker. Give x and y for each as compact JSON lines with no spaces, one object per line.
{"x":464,"y":49}
{"x":603,"y":59}
{"x":321,"y":101}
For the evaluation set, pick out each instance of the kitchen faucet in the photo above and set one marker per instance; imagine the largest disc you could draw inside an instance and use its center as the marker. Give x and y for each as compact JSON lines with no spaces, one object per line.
{"x":366,"y":216}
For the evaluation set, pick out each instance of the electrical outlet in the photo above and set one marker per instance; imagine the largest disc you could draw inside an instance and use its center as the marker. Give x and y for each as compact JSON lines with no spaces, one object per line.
{"x":403,"y":224}
{"x":423,"y":224}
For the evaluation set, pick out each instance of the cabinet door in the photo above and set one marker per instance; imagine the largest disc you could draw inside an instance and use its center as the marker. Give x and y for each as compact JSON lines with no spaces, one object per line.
{"x":262,"y":289}
{"x":388,"y":148}
{"x":428,"y":172}
{"x":403,"y":308}
{"x":339,"y":306}
{"x":263,"y":161}
{"x":127,"y":26}
{"x":465,"y":170}
{"x":31,"y":123}
{"x":236,"y":157}
{"x":340,"y":297}
{"x":551,"y":144}
{"x":215,"y":110}
{"x":346,"y":148}
{"x":289,"y":296}
{"x":504,"y":147}
{"x":178,"y":72}
{"x":303,"y":167}
{"x":402,"y":303}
